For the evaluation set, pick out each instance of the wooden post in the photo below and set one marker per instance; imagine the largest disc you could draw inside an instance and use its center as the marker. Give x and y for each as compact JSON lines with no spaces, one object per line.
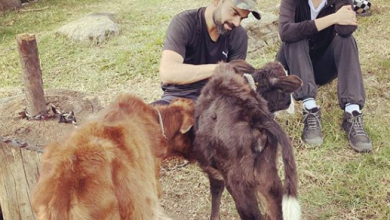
{"x":9,"y":4}
{"x":31,"y":74}
{"x":18,"y":175}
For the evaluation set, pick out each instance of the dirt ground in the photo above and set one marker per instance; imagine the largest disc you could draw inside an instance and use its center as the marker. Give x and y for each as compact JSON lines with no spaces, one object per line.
{"x":39,"y":133}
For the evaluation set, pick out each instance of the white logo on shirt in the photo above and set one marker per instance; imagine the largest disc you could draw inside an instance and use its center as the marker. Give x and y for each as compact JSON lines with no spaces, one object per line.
{"x":225,"y":53}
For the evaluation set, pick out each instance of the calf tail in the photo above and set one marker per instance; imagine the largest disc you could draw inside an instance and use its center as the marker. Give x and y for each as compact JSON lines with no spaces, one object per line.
{"x":290,"y":205}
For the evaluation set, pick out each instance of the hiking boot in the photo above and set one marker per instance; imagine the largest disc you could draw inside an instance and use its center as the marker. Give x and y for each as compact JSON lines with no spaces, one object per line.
{"x":353,"y":127}
{"x":312,"y":132}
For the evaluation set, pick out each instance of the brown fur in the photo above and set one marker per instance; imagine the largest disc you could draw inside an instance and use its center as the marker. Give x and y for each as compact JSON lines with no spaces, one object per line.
{"x":236,"y":143}
{"x":108,"y":168}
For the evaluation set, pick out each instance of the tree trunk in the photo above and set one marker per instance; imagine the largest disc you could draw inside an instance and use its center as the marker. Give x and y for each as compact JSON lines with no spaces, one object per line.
{"x":18,"y":175}
{"x":31,"y":74}
{"x":9,"y":4}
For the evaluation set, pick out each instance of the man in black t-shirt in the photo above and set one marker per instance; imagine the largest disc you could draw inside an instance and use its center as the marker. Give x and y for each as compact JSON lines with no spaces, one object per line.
{"x":197,"y":40}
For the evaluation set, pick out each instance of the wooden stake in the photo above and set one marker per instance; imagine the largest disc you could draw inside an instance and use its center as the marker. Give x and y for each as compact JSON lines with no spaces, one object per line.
{"x":31,"y":74}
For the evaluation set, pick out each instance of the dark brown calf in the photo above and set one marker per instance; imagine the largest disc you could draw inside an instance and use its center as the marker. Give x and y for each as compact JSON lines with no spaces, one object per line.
{"x":108,"y":168}
{"x":237,"y":139}
{"x":271,"y":82}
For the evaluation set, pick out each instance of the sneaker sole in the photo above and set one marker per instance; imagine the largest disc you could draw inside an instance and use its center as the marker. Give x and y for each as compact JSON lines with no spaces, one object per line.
{"x":314,"y":142}
{"x":366,"y":149}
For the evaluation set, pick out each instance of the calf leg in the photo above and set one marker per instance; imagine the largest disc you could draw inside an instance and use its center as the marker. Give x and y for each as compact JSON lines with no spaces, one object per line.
{"x":273,"y":194}
{"x":245,"y":198}
{"x":269,"y":184}
{"x":216,"y":188}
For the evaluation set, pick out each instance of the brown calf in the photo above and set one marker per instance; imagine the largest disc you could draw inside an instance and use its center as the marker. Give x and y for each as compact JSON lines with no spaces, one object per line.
{"x":237,"y":138}
{"x":108,"y":168}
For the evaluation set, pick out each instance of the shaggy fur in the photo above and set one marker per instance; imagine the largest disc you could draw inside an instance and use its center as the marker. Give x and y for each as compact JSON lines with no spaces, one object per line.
{"x":237,"y":139}
{"x":272,"y":83}
{"x":108,"y":168}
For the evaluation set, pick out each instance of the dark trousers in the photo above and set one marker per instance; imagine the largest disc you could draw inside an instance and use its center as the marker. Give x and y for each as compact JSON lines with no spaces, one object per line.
{"x":160,"y":102}
{"x":340,"y":60}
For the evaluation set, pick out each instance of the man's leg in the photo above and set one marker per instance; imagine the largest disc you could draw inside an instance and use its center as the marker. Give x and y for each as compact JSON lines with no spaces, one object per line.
{"x":342,"y":57}
{"x":350,"y":87}
{"x":302,"y":67}
{"x":160,"y":102}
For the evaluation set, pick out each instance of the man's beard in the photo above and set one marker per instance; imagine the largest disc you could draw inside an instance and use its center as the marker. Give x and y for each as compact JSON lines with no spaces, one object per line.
{"x":219,"y":25}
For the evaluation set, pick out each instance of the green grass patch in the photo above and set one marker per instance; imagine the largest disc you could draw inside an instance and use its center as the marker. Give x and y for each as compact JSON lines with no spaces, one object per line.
{"x":334,"y":181}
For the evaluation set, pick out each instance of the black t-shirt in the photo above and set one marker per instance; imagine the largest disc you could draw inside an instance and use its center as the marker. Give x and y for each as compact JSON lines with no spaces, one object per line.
{"x":187,"y":35}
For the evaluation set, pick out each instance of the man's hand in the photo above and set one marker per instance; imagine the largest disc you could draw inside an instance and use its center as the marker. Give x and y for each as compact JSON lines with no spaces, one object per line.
{"x":174,"y":71}
{"x":345,"y":16}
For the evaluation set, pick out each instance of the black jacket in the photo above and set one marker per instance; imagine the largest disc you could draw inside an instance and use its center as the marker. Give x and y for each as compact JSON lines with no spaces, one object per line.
{"x":295,"y":24}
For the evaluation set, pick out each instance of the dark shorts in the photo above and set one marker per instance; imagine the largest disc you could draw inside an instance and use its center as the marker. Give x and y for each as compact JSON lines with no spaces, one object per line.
{"x":190,"y":91}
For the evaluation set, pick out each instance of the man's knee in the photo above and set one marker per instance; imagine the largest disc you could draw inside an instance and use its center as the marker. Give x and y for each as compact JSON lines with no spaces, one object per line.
{"x":290,"y":50}
{"x":302,"y":45}
{"x":344,"y":40}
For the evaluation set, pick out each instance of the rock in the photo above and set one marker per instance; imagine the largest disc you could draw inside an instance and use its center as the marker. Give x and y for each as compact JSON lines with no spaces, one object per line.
{"x":261,"y":33}
{"x":94,"y":28}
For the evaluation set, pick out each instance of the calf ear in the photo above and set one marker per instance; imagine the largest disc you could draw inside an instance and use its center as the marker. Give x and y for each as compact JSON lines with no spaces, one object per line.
{"x":188,"y":122}
{"x":241,"y":67}
{"x":185,"y":129}
{"x":187,"y":111}
{"x":287,"y":84}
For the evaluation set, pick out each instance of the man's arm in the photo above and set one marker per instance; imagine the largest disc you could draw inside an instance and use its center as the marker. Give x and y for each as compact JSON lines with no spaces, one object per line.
{"x":344,"y":16}
{"x":174,"y":71}
{"x":290,"y":31}
{"x":346,"y":29}
{"x":344,"y":20}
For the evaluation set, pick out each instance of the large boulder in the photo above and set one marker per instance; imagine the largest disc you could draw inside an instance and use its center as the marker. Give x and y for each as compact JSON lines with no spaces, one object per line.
{"x":261,"y":33}
{"x":95,"y":28}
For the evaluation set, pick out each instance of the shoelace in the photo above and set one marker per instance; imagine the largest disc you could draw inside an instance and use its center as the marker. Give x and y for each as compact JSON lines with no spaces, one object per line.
{"x":313,"y":123}
{"x":357,"y":125}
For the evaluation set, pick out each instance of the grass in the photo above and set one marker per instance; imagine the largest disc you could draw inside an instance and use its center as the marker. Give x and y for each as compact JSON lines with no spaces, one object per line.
{"x":334,"y":181}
